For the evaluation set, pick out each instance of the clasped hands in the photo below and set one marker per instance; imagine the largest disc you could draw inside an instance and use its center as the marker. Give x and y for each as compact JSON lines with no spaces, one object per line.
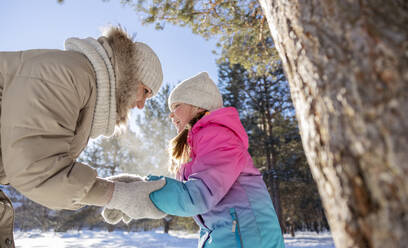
{"x":130,"y":199}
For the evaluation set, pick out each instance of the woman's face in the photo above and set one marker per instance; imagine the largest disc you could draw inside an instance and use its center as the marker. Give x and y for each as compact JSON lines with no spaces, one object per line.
{"x":182,"y":114}
{"x":143,"y":92}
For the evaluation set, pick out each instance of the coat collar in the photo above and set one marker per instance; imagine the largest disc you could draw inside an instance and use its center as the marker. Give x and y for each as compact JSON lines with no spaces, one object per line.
{"x":104,"y":118}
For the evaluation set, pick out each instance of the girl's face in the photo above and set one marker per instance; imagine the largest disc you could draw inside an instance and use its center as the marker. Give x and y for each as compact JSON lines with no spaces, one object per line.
{"x":182,"y":114}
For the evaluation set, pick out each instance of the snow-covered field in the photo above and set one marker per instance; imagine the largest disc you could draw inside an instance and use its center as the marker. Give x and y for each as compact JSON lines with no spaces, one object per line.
{"x":155,"y":239}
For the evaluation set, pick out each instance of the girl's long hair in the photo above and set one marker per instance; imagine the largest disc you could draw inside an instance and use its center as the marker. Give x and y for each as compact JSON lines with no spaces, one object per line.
{"x":178,"y":148}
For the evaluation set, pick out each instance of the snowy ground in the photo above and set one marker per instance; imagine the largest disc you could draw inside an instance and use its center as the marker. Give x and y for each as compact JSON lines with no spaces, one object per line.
{"x":157,"y":239}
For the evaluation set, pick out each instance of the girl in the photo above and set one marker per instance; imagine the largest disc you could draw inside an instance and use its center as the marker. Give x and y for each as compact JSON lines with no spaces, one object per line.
{"x":217,"y":182}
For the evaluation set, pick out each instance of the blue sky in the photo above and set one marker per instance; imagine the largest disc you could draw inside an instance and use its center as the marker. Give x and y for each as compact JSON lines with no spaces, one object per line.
{"x":28,"y":24}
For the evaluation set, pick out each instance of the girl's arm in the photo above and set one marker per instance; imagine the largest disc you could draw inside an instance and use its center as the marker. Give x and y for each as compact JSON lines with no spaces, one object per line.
{"x":219,"y":159}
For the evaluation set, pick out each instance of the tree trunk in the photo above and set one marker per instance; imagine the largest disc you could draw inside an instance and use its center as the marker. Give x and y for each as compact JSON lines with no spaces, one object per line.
{"x":272,"y":154}
{"x":272,"y":179}
{"x":166,"y":224}
{"x":347,"y":66}
{"x":271,"y":171}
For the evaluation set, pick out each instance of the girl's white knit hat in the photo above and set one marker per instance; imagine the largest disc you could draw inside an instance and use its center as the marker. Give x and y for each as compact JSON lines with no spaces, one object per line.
{"x":199,"y":91}
{"x":148,"y":67}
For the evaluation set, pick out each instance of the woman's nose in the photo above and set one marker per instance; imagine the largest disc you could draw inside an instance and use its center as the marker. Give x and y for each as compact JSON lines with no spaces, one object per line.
{"x":171,"y":115}
{"x":140,"y":104}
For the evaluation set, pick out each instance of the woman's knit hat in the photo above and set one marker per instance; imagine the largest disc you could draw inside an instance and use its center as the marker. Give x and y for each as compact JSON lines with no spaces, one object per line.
{"x":199,"y":91}
{"x":148,"y":67}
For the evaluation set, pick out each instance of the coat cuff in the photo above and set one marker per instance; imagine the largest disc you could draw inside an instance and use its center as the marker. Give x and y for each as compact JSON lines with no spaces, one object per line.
{"x":100,"y":193}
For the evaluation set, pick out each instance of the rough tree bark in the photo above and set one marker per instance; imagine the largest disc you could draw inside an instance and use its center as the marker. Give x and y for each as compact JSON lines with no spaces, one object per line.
{"x":347,"y":65}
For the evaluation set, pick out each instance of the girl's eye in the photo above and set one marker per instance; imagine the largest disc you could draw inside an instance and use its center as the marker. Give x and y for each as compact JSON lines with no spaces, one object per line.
{"x":146,"y":91}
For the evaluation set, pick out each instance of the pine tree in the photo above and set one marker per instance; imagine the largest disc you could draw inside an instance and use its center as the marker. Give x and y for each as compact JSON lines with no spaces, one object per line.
{"x":239,"y":26}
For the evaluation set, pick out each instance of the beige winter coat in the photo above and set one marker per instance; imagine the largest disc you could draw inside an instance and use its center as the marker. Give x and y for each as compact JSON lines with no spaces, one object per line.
{"x":47,"y":102}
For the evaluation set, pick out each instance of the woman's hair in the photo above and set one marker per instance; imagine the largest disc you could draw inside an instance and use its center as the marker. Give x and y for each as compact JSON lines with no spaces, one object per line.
{"x":179,"y":149}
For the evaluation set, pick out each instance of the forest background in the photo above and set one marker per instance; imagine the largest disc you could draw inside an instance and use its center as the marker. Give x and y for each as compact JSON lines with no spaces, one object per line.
{"x":250,"y":75}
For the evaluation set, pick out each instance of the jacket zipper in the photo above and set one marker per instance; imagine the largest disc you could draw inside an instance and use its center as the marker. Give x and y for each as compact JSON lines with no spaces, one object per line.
{"x":235,"y":227}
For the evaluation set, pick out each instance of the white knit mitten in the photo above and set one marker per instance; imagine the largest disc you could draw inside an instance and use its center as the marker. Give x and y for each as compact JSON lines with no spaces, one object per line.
{"x":114,"y":216}
{"x":133,"y":199}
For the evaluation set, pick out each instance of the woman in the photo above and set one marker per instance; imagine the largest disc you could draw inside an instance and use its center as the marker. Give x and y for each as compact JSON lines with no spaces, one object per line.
{"x":52,"y":102}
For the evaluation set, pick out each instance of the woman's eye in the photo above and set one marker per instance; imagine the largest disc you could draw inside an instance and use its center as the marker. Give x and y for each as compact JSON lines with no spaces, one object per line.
{"x":147,"y":92}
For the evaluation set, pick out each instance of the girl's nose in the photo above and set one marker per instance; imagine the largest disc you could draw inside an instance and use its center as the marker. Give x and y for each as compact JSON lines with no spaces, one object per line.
{"x":171,"y":115}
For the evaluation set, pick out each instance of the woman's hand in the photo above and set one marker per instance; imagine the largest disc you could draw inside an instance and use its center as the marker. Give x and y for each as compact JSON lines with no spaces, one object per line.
{"x":114,"y":216}
{"x":132,"y":197}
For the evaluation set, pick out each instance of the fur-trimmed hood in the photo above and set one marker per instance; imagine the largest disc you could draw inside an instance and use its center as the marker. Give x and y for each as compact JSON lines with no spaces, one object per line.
{"x":134,"y":63}
{"x":121,"y":52}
